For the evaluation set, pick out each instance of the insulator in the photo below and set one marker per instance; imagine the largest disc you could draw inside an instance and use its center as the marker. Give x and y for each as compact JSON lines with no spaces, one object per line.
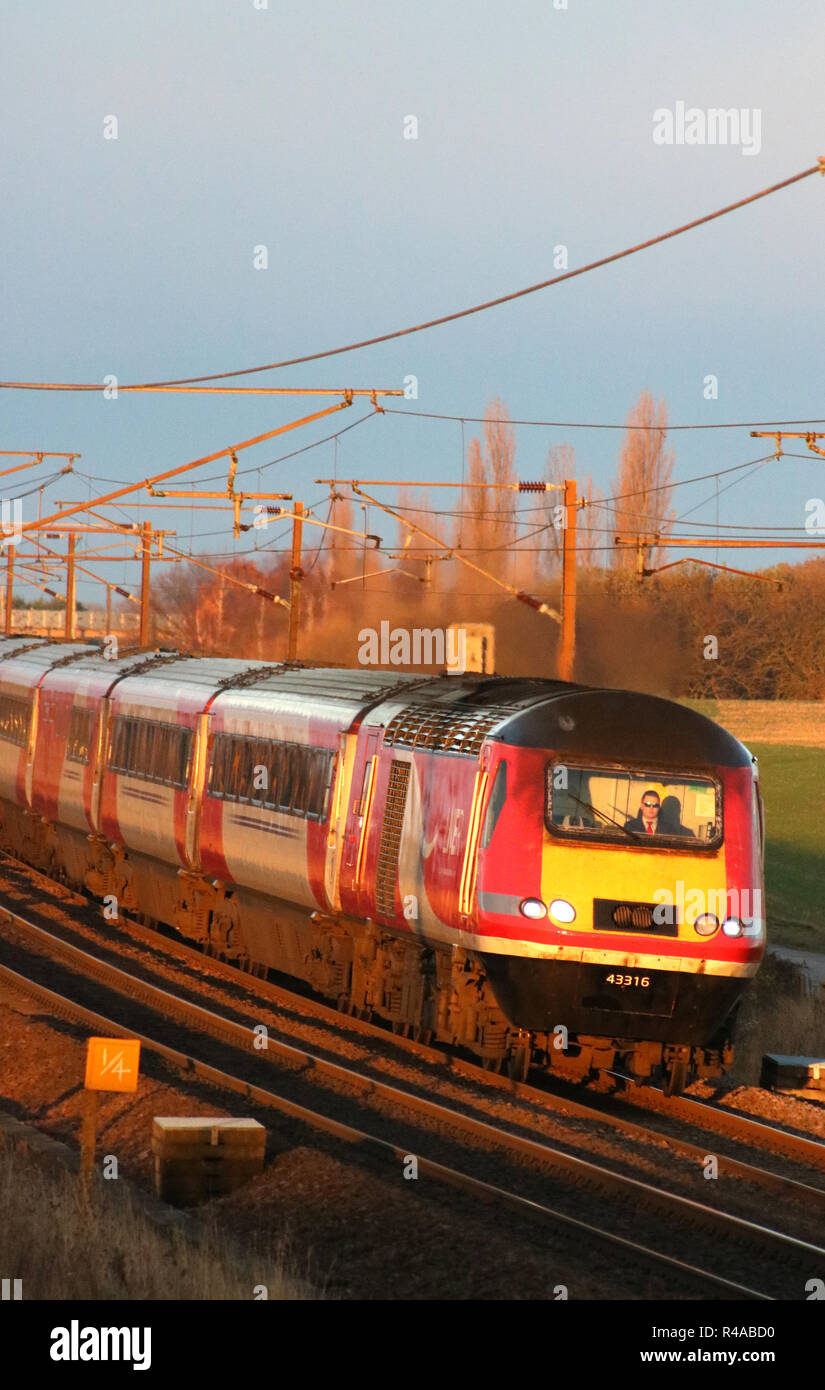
{"x":532,"y":487}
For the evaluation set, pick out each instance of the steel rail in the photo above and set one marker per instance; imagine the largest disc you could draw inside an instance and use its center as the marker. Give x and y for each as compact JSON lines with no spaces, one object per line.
{"x":741,"y":1128}
{"x":191,"y":1066}
{"x":779,"y":1245}
{"x":709,"y":1115}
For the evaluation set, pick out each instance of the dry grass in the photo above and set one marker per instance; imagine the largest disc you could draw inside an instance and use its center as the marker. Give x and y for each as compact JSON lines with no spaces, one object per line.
{"x":798,"y":722}
{"x":64,"y":1248}
{"x":782,"y":1012}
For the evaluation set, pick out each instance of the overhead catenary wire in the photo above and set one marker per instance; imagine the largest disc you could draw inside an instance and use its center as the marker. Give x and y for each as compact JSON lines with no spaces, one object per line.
{"x":596,"y":425}
{"x":604,"y":502}
{"x":810,"y":458}
{"x":259,"y":468}
{"x":230,"y":578}
{"x":734,"y":483}
{"x":819,"y":167}
{"x":228,"y":452}
{"x":682,"y":482}
{"x":517,"y":542}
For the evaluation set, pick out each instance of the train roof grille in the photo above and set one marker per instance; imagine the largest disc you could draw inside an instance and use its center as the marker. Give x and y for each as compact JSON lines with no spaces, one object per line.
{"x":445,"y":728}
{"x":334,"y":682}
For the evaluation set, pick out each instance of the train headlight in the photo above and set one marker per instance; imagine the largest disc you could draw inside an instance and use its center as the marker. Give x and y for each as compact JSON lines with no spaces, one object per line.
{"x":707,"y":924}
{"x":562,"y":910}
{"x":534,"y":908}
{"x":732,"y":926}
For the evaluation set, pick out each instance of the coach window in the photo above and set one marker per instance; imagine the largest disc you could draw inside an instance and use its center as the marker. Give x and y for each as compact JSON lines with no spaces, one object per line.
{"x":153,"y":751}
{"x":215,"y":779}
{"x":294,"y":792}
{"x":238,"y":767}
{"x":79,"y":740}
{"x":297,"y":777}
{"x":300,"y":791}
{"x":320,"y":777}
{"x":15,"y":718}
{"x":261,"y":753}
{"x":275,"y":761}
{"x":498,"y":797}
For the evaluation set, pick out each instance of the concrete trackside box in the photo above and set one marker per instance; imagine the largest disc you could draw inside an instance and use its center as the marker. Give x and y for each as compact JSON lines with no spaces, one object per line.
{"x":782,"y":1073}
{"x":198,"y":1158}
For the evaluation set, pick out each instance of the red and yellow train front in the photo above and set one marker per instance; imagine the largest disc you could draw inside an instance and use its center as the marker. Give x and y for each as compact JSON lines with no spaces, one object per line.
{"x":621,"y":897}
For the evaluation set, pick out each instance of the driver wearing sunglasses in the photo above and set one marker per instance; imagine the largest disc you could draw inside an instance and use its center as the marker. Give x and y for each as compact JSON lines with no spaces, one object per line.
{"x":647,"y":820}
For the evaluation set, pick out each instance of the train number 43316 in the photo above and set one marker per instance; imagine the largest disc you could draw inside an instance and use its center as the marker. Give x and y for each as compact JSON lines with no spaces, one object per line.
{"x":642,"y":980}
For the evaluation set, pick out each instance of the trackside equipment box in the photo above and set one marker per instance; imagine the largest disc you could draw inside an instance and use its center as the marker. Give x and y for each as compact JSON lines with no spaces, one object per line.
{"x":781,"y":1073}
{"x":198,"y":1158}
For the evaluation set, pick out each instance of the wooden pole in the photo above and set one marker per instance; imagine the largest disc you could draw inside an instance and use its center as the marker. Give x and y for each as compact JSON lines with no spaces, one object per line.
{"x":9,"y":588}
{"x":296,"y":574}
{"x":88,"y":1136}
{"x":70,"y":590}
{"x":567,"y":650}
{"x":146,"y":539}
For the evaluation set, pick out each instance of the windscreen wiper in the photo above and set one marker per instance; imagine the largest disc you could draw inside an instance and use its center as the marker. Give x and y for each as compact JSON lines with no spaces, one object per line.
{"x":596,"y":812}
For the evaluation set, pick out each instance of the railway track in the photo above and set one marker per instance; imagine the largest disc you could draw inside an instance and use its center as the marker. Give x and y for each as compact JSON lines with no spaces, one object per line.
{"x":729,"y":1123}
{"x":192,"y":1067}
{"x":807,"y":1152}
{"x":780,"y":1254}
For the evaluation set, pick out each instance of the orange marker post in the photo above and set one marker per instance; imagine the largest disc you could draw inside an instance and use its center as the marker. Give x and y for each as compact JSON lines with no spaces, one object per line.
{"x":112,"y":1064}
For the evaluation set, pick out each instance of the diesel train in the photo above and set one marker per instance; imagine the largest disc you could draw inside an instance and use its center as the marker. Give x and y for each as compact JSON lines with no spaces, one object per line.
{"x":540,"y":872}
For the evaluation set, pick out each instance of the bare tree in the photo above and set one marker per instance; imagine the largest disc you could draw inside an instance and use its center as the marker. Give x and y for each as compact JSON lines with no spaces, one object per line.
{"x":490,"y":523}
{"x":642,"y":483}
{"x":472,"y":528}
{"x":560,"y":465}
{"x":594,"y":526}
{"x":500,"y":450}
{"x":177,"y":602}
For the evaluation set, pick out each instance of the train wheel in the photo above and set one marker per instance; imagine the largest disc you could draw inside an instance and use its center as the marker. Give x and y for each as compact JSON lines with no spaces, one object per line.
{"x":676,"y":1077}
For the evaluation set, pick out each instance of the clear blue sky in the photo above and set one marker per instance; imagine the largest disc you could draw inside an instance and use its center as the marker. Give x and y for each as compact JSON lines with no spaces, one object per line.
{"x":284,"y":127}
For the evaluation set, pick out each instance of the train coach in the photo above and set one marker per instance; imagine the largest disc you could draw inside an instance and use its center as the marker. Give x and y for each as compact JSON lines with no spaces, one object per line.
{"x":540,"y":872}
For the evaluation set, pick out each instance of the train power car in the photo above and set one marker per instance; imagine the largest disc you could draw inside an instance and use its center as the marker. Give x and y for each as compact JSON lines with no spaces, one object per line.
{"x":540,"y":872}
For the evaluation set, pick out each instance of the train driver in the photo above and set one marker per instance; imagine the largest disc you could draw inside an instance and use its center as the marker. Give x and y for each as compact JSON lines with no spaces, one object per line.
{"x":647,"y":820}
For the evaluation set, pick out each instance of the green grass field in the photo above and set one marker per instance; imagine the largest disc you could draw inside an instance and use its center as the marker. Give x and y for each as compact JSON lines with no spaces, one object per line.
{"x":788,"y":738}
{"x":793,"y":788}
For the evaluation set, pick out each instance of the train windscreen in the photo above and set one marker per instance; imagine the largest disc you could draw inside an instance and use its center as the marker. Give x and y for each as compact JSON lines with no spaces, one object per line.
{"x":647,"y":807}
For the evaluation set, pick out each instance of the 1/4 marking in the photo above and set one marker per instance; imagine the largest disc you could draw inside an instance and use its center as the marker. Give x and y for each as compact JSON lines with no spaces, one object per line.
{"x":114,"y":1065}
